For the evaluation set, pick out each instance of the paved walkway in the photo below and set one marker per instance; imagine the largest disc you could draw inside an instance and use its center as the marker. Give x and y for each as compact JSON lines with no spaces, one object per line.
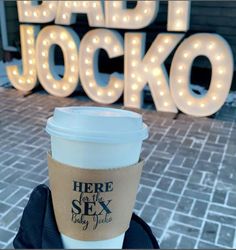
{"x":188,"y":187}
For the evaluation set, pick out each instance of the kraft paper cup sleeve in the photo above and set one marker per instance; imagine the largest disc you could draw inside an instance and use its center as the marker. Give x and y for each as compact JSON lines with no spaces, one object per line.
{"x":93,"y":205}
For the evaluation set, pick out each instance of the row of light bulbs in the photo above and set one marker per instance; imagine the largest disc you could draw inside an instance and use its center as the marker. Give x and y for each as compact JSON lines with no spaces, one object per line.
{"x":140,"y":16}
{"x":178,"y":15}
{"x":31,"y":69}
{"x":210,"y":48}
{"x":64,"y":38}
{"x":148,"y":69}
{"x":102,"y":41}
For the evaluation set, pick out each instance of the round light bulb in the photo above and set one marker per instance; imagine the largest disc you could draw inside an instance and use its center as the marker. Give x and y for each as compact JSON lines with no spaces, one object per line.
{"x":221,"y":71}
{"x":98,"y":18}
{"x":51,"y":5}
{"x":178,"y":11}
{"x":67,"y":4}
{"x":96,"y":40}
{"x":160,"y":49}
{"x":211,"y":46}
{"x":139,"y":79}
{"x":153,"y":59}
{"x":55,"y":86}
{"x":30,"y":41}
{"x":88,"y":73}
{"x":44,"y":53}
{"x":218,"y":57}
{"x":162,"y":93}
{"x":134,"y":64}
{"x":133,"y":51}
{"x":71,"y":79}
{"x":107,"y":39}
{"x":114,"y":18}
{"x":132,"y":75}
{"x":110,"y":93}
{"x":45,"y":42}
{"x":99,"y":92}
{"x":72,"y":69}
{"x":85,"y":4}
{"x":73,"y":57}
{"x":48,"y":77}
{"x":135,"y":41}
{"x":88,"y":49}
{"x":115,"y":4}
{"x":116,"y":49}
{"x":45,"y":65}
{"x":138,"y":18}
{"x":28,"y":81}
{"x":185,"y":55}
{"x":30,"y":51}
{"x":178,"y":24}
{"x":71,"y":45}
{"x":87,"y":61}
{"x":126,"y":18}
{"x":29,"y":31}
{"x":180,"y":81}
{"x":63,"y":36}
{"x":167,"y":40}
{"x":117,"y":85}
{"x":91,"y":84}
{"x":181,"y":67}
{"x":133,"y":98}
{"x":53,"y":35}
{"x":156,"y":72}
{"x":134,"y":86}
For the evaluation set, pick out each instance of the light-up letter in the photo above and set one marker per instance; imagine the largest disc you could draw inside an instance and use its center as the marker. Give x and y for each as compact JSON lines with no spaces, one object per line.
{"x":217,"y":50}
{"x":139,"y":71}
{"x":94,"y":83}
{"x":118,"y":16}
{"x":31,"y":13}
{"x":178,"y":15}
{"x":67,"y":9}
{"x":68,"y":41}
{"x":25,"y":79}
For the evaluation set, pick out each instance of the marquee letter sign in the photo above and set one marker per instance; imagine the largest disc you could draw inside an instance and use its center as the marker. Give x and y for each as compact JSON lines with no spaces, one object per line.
{"x":142,"y":65}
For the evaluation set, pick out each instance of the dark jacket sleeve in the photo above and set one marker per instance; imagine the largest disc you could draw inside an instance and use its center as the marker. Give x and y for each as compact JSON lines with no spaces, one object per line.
{"x":38,"y":227}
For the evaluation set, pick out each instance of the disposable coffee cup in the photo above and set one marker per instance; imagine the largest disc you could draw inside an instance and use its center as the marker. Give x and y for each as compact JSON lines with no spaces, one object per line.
{"x":101,"y":146}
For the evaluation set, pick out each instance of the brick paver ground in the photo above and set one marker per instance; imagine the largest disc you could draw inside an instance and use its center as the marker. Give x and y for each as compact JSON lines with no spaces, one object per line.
{"x":188,"y":186}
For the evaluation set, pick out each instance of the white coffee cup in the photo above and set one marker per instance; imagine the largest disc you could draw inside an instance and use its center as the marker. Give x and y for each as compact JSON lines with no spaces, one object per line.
{"x":96,"y":138}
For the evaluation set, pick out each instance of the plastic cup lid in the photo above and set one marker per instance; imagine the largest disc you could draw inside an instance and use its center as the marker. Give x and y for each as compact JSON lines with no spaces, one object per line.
{"x":97,"y":124}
